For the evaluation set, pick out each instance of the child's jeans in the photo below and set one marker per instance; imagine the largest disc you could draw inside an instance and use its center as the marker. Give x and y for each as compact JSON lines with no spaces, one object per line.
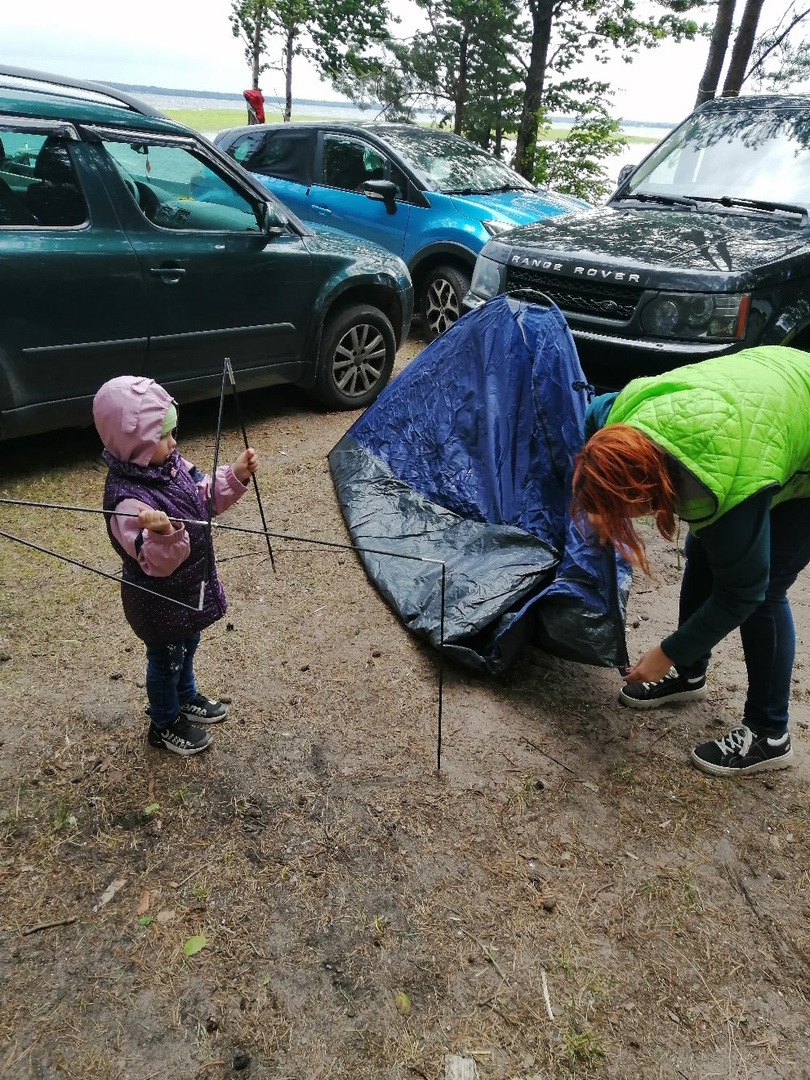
{"x":170,"y":678}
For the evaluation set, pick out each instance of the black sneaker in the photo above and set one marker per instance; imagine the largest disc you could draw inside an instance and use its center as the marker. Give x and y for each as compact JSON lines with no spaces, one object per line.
{"x":203,"y":710}
{"x":741,"y":752}
{"x":180,"y":737}
{"x":673,"y":687}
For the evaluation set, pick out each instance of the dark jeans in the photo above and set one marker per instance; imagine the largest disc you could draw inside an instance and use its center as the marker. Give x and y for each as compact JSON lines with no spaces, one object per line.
{"x":768,"y":636}
{"x":170,"y":678}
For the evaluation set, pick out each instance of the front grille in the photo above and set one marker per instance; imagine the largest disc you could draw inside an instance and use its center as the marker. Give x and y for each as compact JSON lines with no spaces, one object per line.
{"x":585,"y":296}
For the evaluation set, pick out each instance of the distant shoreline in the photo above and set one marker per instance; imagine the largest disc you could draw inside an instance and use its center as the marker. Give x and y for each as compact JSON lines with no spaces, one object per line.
{"x":164,"y":91}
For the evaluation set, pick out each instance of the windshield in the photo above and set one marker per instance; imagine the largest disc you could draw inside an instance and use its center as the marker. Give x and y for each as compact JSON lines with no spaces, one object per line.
{"x":452,"y":165}
{"x":740,"y":153}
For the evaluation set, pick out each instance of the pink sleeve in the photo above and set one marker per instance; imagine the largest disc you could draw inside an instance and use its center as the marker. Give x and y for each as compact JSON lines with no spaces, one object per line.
{"x":157,"y":555}
{"x":227,"y":490}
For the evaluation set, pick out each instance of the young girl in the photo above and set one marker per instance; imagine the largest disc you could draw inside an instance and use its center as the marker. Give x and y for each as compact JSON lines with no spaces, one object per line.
{"x":725,"y":446}
{"x":170,"y":590}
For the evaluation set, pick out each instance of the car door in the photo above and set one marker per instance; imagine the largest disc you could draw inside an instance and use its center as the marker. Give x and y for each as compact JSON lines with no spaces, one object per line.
{"x":217,"y":285}
{"x":73,"y":307}
{"x":343,"y":163}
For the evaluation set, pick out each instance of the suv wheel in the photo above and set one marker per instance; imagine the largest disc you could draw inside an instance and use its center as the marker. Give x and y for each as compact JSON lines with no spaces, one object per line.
{"x":443,"y":291}
{"x":356,"y":358}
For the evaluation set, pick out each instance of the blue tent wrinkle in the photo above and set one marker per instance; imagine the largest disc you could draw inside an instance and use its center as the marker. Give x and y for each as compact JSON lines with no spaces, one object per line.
{"x":464,"y":462}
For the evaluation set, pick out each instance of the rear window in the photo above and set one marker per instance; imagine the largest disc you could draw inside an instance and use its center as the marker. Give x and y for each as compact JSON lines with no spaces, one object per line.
{"x":38,"y":182}
{"x":286,"y":155}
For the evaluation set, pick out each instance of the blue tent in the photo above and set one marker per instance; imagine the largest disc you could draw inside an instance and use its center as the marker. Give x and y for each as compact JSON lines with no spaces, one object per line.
{"x":465,"y":460}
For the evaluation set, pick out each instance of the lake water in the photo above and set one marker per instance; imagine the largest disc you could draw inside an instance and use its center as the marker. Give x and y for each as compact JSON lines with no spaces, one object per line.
{"x":347,"y":111}
{"x":337,"y":110}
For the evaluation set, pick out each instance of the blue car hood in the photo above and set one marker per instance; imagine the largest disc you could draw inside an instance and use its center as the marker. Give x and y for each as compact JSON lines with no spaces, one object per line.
{"x":516,"y":207}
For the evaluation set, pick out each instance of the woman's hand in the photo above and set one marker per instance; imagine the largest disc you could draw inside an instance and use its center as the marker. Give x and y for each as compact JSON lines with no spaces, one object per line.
{"x":245,"y":465}
{"x":652,"y":666}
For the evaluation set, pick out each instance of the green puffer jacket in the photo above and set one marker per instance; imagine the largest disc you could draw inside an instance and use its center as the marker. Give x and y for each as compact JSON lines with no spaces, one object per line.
{"x":735,"y":426}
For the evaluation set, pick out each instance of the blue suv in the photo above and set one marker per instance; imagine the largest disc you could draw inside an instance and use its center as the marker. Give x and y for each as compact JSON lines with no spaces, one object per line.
{"x":427,"y":195}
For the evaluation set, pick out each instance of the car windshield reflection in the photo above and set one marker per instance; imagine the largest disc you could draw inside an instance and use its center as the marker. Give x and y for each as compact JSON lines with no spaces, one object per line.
{"x":762,"y":158}
{"x":453,"y":166}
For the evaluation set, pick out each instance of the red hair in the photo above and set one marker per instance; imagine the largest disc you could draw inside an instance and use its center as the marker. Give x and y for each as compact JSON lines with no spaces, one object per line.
{"x":619,"y":475}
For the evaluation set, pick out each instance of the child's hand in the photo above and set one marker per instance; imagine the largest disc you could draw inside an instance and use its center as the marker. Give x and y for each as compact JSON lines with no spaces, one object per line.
{"x":155,"y":521}
{"x":245,"y":465}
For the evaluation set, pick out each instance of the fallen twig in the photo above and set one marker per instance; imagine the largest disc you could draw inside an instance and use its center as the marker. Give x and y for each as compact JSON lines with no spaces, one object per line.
{"x":49,"y":925}
{"x":556,"y":761}
{"x":545,"y":994}
{"x":487,"y":953}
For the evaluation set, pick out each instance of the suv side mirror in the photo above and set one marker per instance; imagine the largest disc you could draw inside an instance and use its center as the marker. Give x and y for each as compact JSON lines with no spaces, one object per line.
{"x":273,"y":222}
{"x":383,"y":190}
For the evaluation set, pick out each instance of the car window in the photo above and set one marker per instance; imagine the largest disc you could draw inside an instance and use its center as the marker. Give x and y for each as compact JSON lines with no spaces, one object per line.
{"x":38,"y":182}
{"x":177,"y":189}
{"x":248,"y":149}
{"x":450,"y":164}
{"x":287,"y":155}
{"x":349,"y":162}
{"x":760,"y":155}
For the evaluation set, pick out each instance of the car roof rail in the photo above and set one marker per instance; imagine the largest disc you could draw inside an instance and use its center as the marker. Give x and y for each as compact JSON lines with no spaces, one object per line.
{"x":44,"y":82}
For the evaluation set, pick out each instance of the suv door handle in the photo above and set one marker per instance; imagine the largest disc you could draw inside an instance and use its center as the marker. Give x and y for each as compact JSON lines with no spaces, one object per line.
{"x":169,"y":274}
{"x":321,"y":209}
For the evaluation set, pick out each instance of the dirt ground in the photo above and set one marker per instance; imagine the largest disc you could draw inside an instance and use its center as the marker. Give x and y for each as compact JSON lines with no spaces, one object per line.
{"x":311,"y":899}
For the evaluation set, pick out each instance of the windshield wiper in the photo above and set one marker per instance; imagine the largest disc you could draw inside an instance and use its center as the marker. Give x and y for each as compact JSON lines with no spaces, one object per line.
{"x":758,"y":204}
{"x":506,"y":187}
{"x":661,"y":200}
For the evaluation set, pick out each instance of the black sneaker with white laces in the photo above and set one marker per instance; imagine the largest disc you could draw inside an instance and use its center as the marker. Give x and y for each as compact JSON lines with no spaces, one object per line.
{"x":203,"y":710}
{"x":180,"y":737}
{"x":673,"y":687}
{"x":742,"y":751}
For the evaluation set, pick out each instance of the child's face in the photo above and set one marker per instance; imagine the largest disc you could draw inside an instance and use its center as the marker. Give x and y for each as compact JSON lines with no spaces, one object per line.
{"x":164,"y":448}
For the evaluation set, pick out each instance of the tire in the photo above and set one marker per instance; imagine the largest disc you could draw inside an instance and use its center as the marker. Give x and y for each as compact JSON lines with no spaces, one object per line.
{"x":442,"y":293}
{"x":356,"y":358}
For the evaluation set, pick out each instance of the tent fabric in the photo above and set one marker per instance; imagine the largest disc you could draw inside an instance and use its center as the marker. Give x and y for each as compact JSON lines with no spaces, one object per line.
{"x":464,"y":463}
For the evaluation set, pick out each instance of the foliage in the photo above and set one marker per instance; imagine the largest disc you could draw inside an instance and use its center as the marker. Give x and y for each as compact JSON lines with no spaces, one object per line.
{"x":339,"y":37}
{"x":574,"y":164}
{"x":781,"y":57}
{"x":250,"y":23}
{"x":493,"y":68}
{"x":562,"y":34}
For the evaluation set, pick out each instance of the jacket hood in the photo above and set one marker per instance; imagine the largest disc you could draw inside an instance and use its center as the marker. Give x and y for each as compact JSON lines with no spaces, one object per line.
{"x":128,"y":414}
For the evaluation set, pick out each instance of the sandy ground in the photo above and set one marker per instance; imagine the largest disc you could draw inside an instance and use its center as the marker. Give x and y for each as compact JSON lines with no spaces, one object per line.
{"x":311,"y":899}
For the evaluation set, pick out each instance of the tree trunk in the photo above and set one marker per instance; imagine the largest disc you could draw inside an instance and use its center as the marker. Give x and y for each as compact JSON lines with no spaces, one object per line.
{"x":288,"y":59}
{"x":461,"y":83}
{"x":743,"y":46}
{"x":717,"y":52}
{"x":526,"y":148}
{"x":256,"y":47}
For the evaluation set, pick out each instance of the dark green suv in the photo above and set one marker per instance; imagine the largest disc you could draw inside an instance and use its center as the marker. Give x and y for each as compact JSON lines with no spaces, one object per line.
{"x":130,"y":245}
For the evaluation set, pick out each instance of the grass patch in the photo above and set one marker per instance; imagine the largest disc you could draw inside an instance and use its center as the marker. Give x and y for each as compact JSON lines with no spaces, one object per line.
{"x":210,"y":120}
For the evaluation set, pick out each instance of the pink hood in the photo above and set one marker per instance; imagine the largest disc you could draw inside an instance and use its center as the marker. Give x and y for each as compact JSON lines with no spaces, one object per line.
{"x":128,"y":413}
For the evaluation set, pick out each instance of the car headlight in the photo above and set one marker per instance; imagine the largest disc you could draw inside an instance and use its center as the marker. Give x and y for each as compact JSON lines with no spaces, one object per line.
{"x":487,"y":279}
{"x":694,"y":316}
{"x":494,"y":228}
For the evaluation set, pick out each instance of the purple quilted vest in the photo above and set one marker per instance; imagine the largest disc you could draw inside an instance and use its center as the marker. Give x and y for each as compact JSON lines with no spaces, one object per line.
{"x":169,"y":487}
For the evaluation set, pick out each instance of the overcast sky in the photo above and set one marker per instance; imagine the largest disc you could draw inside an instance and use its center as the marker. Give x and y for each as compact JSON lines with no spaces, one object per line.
{"x":191,"y":47}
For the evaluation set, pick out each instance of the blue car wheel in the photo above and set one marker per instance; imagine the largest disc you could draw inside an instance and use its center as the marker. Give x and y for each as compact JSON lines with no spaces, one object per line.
{"x":442,"y":292}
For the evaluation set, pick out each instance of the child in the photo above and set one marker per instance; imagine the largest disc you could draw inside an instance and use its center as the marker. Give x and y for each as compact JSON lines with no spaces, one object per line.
{"x":167,"y":560}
